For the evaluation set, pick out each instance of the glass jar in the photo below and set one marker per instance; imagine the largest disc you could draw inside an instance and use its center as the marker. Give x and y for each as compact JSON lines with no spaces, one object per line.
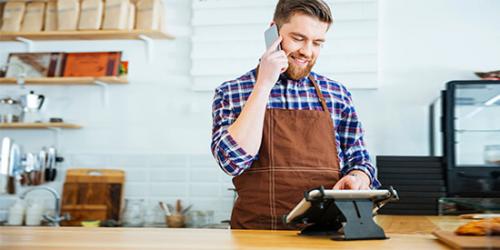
{"x":196,"y":219}
{"x":154,"y":216}
{"x":133,"y":214}
{"x":210,"y":216}
{"x":492,"y":154}
{"x":200,"y":218}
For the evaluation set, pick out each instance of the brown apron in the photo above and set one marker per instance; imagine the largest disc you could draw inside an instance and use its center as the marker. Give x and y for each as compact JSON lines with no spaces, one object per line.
{"x":298,"y":152}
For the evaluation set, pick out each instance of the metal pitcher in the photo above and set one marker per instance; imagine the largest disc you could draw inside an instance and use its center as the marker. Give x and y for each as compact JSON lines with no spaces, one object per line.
{"x":31,"y":104}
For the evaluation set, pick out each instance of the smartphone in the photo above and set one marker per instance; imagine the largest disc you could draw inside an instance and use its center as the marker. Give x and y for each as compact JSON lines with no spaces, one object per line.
{"x":271,"y":35}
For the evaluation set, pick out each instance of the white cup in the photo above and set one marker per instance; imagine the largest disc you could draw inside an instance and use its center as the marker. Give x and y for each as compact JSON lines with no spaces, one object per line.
{"x":34,"y":214}
{"x":16,"y":214}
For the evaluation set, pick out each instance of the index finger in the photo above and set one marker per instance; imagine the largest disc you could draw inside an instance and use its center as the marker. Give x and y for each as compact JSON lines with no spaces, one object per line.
{"x":337,"y":185}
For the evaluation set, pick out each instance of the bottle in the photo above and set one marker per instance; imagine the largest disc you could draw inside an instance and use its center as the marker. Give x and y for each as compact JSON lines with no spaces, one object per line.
{"x":16,"y":214}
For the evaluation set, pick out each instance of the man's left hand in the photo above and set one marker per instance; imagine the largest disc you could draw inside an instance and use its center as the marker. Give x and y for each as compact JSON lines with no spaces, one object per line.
{"x":354,"y":180}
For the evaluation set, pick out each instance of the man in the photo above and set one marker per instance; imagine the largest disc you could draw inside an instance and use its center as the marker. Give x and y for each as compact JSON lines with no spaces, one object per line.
{"x":281,"y":129}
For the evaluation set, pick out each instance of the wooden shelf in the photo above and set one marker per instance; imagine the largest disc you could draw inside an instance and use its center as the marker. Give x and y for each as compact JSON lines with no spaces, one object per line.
{"x":67,"y":80}
{"x":38,"y":125}
{"x":85,"y":35}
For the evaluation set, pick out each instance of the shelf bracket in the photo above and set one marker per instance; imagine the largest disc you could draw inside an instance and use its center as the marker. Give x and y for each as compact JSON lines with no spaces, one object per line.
{"x":57,"y":135}
{"x":105,"y":95}
{"x":149,"y":47}
{"x":29,"y":43}
{"x":21,"y":80}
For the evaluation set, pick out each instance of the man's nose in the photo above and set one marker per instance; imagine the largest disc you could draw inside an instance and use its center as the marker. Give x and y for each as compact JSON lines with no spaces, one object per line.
{"x":306,"y":49}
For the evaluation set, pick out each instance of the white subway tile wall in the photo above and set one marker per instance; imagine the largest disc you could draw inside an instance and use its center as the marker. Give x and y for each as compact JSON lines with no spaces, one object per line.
{"x":195,"y":179}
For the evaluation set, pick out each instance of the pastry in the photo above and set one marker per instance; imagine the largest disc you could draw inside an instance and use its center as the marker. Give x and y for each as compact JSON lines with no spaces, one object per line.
{"x":480,"y":227}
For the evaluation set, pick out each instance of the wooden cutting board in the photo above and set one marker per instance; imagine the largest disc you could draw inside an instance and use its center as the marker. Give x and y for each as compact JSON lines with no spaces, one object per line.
{"x":92,"y":194}
{"x":468,"y":242}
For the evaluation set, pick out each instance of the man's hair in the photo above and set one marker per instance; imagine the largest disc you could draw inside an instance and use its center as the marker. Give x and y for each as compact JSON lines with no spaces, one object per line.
{"x":285,"y":9}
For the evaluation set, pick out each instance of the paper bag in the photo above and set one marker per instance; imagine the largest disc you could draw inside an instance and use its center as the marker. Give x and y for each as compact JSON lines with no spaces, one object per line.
{"x":51,"y":16}
{"x":68,"y":13}
{"x":148,"y":14}
{"x":33,"y":17}
{"x":91,"y":15}
{"x":116,"y":15}
{"x":13,"y":14}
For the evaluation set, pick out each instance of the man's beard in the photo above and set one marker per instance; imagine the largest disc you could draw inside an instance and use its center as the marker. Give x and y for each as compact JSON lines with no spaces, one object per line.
{"x":295,"y":72}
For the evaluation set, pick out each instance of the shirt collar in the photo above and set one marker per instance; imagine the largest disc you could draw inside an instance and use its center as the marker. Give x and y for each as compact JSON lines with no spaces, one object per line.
{"x":284,"y":79}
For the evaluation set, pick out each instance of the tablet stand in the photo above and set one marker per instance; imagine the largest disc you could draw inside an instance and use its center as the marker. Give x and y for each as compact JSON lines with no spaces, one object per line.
{"x":352,"y":216}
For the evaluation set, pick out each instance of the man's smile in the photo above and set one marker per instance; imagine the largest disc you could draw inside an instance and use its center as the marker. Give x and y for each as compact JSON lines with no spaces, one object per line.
{"x":300,"y":61}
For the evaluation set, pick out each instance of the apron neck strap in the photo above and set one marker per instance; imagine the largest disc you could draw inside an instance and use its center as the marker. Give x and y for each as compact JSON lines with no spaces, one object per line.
{"x":316,"y":87}
{"x":318,"y":92}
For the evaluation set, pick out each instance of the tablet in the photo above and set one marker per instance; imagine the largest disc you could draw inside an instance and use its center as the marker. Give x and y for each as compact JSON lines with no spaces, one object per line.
{"x":304,"y":205}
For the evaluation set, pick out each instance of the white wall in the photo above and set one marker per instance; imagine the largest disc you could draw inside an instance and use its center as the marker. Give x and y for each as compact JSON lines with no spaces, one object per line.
{"x":158,"y":129}
{"x":225,"y":31}
{"x":423,"y":45}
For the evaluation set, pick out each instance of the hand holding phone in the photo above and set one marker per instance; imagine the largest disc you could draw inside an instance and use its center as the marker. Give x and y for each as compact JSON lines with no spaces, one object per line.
{"x":273,"y":62}
{"x":271,"y":35}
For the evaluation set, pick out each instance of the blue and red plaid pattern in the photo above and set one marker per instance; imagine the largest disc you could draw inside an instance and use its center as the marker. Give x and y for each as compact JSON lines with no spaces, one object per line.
{"x":230,"y":97}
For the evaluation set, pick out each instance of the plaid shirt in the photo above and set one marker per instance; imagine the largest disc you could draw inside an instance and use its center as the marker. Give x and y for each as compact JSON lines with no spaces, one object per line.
{"x":230,"y":97}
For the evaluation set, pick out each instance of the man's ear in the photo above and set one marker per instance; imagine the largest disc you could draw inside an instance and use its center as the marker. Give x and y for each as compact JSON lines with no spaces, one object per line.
{"x":274,"y":23}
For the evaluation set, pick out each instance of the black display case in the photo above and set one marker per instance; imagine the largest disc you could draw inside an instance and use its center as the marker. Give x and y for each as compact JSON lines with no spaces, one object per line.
{"x":465,"y":122}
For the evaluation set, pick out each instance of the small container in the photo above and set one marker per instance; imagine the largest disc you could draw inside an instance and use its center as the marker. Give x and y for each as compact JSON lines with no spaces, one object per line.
{"x":210,"y":216}
{"x":10,"y":110}
{"x":34,"y":213}
{"x":196,"y":219}
{"x":16,"y":214}
{"x":133,"y":215}
{"x":492,"y":154}
{"x":200,"y":219}
{"x":175,"y":221}
{"x":154,"y":216}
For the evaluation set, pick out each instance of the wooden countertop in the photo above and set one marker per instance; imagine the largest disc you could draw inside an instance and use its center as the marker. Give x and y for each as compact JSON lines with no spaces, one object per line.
{"x":411,"y":232}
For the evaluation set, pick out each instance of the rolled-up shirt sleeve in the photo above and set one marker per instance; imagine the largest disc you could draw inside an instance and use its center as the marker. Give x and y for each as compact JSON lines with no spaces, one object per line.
{"x":232,"y":159}
{"x":356,"y":155}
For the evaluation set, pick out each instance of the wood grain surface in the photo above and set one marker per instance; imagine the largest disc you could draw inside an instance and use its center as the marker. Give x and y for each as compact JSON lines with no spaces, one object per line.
{"x":84,"y":35}
{"x":405,"y":232}
{"x":468,"y":242}
{"x":68,"y":81}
